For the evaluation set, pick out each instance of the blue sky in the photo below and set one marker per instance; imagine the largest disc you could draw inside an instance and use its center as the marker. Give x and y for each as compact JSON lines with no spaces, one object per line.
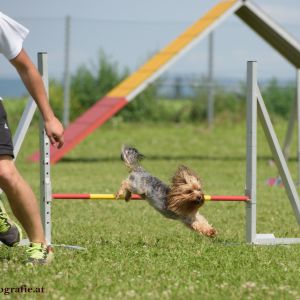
{"x":131,"y":30}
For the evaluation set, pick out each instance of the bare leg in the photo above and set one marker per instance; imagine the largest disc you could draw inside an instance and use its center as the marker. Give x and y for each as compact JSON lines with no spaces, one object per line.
{"x":201,"y":225}
{"x":22,"y":199}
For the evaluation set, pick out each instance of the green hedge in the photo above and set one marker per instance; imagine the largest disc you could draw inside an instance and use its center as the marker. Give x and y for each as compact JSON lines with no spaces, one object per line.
{"x":89,"y":84}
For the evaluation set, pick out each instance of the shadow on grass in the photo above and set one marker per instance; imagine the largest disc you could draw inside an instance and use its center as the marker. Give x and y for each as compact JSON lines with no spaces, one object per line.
{"x":165,"y":158}
{"x":227,"y":242}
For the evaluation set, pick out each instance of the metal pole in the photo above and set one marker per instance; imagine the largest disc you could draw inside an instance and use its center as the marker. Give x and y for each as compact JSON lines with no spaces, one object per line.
{"x":298,"y":121}
{"x":23,"y":126}
{"x":210,"y":79}
{"x":290,"y":129}
{"x":66,"y":113}
{"x":251,"y":167}
{"x":279,"y":157}
{"x":45,"y":182}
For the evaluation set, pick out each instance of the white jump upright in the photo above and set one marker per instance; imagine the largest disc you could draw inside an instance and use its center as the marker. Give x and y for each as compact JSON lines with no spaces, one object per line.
{"x":251,"y":163}
{"x":45,"y":180}
{"x":256,"y":104}
{"x":45,"y":175}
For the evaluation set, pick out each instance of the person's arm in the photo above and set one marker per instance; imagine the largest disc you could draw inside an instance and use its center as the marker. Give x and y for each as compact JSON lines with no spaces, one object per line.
{"x":35,"y":86}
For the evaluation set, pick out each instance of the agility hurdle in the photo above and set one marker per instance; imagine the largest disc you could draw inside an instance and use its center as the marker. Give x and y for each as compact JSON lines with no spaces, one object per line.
{"x":255,"y":108}
{"x":138,"y":197}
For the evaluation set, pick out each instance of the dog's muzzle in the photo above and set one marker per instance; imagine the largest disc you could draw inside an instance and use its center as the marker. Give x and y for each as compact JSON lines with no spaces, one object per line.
{"x":200,"y":200}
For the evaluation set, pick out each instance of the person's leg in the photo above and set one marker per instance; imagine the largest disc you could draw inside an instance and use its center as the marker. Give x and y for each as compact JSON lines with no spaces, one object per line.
{"x":22,"y":199}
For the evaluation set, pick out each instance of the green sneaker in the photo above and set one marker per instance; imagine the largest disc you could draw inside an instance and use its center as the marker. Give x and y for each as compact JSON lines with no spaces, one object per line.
{"x":39,"y":254}
{"x":10,"y":232}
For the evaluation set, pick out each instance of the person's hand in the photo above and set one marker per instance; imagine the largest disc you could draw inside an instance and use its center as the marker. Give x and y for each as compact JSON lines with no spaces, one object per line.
{"x":55,"y":131}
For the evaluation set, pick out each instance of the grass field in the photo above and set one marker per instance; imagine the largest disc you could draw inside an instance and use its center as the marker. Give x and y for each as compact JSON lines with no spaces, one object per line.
{"x":134,"y":253}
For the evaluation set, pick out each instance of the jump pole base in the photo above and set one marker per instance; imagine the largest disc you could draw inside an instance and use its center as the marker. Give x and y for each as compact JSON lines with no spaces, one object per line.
{"x":270,"y":239}
{"x":71,"y":247}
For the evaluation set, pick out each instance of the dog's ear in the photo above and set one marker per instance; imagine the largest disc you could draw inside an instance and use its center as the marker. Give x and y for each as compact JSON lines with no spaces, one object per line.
{"x":140,"y":156}
{"x":183,"y":175}
{"x":187,"y":171}
{"x":135,"y":153}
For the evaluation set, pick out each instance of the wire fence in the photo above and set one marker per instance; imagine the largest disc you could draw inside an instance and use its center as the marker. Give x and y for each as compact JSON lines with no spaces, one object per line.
{"x":131,"y":42}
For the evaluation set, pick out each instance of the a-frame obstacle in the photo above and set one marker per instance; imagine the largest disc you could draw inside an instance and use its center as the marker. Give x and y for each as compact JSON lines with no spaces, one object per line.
{"x":126,"y":91}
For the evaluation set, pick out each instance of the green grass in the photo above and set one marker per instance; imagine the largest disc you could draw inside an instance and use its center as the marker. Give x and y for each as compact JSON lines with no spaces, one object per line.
{"x":133,"y":252}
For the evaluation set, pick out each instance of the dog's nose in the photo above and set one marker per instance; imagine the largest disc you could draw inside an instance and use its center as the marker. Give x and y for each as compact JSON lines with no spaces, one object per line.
{"x":199,"y":200}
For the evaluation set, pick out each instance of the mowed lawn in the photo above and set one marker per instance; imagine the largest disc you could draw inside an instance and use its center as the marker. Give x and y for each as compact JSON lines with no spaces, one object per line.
{"x":132,"y":252}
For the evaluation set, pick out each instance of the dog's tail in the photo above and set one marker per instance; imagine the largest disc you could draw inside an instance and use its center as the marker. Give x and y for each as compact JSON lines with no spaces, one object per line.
{"x":131,"y":157}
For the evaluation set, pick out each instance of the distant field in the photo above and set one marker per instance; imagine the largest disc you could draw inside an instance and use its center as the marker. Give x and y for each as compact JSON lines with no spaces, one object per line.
{"x":134,"y":253}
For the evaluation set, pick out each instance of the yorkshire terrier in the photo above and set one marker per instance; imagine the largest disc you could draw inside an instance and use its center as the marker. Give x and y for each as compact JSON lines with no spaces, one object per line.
{"x":181,"y":200}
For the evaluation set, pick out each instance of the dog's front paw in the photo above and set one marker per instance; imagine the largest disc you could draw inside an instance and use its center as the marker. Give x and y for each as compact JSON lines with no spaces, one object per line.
{"x":211,"y":232}
{"x":117,"y":195}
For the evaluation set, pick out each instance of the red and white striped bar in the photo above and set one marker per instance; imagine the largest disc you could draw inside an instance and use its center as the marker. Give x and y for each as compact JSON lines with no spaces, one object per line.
{"x":66,"y":196}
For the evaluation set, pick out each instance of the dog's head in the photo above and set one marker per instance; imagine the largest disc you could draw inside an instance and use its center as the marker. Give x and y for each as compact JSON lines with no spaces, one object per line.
{"x":185,"y":195}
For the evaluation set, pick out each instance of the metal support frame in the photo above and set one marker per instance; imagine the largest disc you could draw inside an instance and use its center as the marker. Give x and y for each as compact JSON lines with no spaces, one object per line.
{"x":210,"y":80}
{"x":66,"y":112}
{"x":294,"y":117}
{"x":45,"y":181}
{"x":251,"y":164}
{"x":253,"y":98}
{"x":289,"y":133}
{"x":45,"y":176}
{"x":298,"y":121}
{"x":23,"y":126}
